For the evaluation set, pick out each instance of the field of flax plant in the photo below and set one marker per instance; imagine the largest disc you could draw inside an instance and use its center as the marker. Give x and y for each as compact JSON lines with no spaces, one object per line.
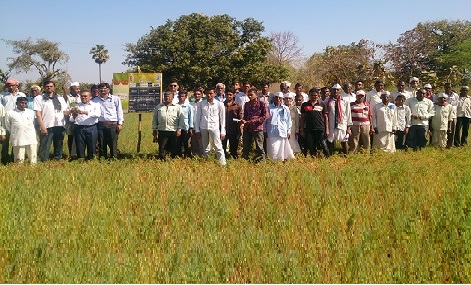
{"x":385,"y":218}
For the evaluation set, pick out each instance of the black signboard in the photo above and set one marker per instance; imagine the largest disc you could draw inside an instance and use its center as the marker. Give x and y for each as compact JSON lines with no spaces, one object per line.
{"x":143,"y":97}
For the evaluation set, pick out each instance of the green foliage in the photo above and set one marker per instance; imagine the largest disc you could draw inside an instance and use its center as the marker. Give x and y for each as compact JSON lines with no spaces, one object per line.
{"x":201,"y":49}
{"x":42,"y":55}
{"x":429,"y":51}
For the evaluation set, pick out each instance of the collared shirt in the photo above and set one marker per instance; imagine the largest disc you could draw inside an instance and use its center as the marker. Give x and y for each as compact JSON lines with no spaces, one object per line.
{"x":403,"y":117}
{"x":111,"y":109}
{"x":384,"y":117}
{"x":464,"y":107}
{"x":453,"y":99}
{"x":72,"y":101}
{"x":242,"y":98}
{"x":188,"y":116}
{"x":168,"y":118}
{"x":266,"y":99}
{"x":89,"y":119}
{"x":443,"y":114}
{"x":233,"y":111}
{"x":210,"y":116}
{"x":50,"y":116}
{"x":360,"y":113}
{"x":279,"y":123}
{"x":256,"y":113}
{"x":9,"y":100}
{"x":220,"y":99}
{"x":422,"y":108}
{"x":373,"y":97}
{"x":349,"y":97}
{"x":20,"y":124}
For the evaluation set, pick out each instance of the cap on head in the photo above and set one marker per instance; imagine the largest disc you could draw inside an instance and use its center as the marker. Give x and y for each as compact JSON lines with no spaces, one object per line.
{"x":428,"y":86}
{"x":12,"y":81}
{"x":442,"y":95}
{"x":337,"y":86}
{"x":278,"y":94}
{"x":289,"y":95}
{"x":360,"y":93}
{"x":287,"y":83}
{"x":74,"y":84}
{"x":413,"y":79}
{"x":464,"y":88}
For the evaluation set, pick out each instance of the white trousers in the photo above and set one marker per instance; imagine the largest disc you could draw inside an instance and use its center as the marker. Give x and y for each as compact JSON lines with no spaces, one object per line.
{"x":216,"y":138}
{"x":20,"y":151}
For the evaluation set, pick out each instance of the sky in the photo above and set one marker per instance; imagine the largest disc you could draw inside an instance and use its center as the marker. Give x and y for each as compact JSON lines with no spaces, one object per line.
{"x":80,"y":25}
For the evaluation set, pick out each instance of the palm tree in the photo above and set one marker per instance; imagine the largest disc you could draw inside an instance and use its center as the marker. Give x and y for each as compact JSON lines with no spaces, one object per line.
{"x":100,"y":55}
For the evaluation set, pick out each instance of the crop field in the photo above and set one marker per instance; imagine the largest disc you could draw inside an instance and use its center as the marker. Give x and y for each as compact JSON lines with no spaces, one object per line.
{"x":382,"y":218}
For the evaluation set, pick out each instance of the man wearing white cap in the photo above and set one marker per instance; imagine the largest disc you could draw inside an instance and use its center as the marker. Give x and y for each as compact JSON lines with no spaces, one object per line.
{"x":340,"y":119}
{"x":413,"y":86}
{"x":8,"y":100}
{"x":463,"y":113}
{"x":278,"y":129}
{"x":385,"y":124}
{"x":441,"y":121}
{"x":288,"y":99}
{"x":430,"y":95}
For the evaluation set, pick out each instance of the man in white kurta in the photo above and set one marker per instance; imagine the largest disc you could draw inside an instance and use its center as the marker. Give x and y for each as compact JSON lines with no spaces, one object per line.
{"x":441,"y":121}
{"x":278,"y":129}
{"x":20,"y":123}
{"x":340,"y":119}
{"x":385,"y":124}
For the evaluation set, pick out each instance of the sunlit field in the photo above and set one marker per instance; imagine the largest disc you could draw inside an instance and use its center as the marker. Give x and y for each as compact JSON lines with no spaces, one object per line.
{"x":382,"y":218}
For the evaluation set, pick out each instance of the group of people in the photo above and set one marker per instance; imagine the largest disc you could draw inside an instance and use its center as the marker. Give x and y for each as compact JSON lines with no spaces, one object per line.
{"x":283,"y":123}
{"x":92,"y":121}
{"x":279,"y":124}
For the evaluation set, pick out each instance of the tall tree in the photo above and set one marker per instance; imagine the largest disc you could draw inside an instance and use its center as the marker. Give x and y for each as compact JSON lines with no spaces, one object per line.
{"x":100,"y":55}
{"x":42,"y":55}
{"x":200,"y":49}
{"x":424,"y":51}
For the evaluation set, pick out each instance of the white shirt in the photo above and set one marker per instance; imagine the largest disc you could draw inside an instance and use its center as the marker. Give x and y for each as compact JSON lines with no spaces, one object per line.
{"x":373,"y":97}
{"x":443,"y":114}
{"x":2,"y":123}
{"x":396,"y":93}
{"x":403,"y":117}
{"x":464,"y":107}
{"x":51,"y":117}
{"x":422,"y":108}
{"x":384,"y":117}
{"x":210,"y":116}
{"x":20,"y":124}
{"x":453,"y":99}
{"x":89,"y":119}
{"x":348,"y":97}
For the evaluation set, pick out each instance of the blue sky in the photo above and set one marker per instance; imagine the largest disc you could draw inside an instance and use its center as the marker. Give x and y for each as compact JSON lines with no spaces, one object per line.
{"x":79,"y":25}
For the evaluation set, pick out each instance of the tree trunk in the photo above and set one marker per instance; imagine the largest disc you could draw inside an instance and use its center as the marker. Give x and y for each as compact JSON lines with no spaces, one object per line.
{"x":99,"y":68}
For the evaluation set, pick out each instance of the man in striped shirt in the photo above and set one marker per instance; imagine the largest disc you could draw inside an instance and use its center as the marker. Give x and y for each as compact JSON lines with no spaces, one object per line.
{"x":361,"y":119}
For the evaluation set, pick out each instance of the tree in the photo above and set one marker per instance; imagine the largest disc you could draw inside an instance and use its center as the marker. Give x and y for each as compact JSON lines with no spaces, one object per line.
{"x":200,"y":49}
{"x":100,"y":55}
{"x":342,"y":64}
{"x":42,"y":55}
{"x":285,"y":48}
{"x":4,"y":75}
{"x":427,"y":51}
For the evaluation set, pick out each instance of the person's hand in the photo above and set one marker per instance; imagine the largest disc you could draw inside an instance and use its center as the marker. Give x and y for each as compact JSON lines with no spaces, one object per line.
{"x":223,"y":137}
{"x":44,"y":131}
{"x":178,"y":133}
{"x":3,"y":138}
{"x":119,"y":128}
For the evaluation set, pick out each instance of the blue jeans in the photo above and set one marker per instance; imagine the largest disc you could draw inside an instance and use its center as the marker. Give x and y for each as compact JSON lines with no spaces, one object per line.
{"x":85,"y":137}
{"x":55,"y":135}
